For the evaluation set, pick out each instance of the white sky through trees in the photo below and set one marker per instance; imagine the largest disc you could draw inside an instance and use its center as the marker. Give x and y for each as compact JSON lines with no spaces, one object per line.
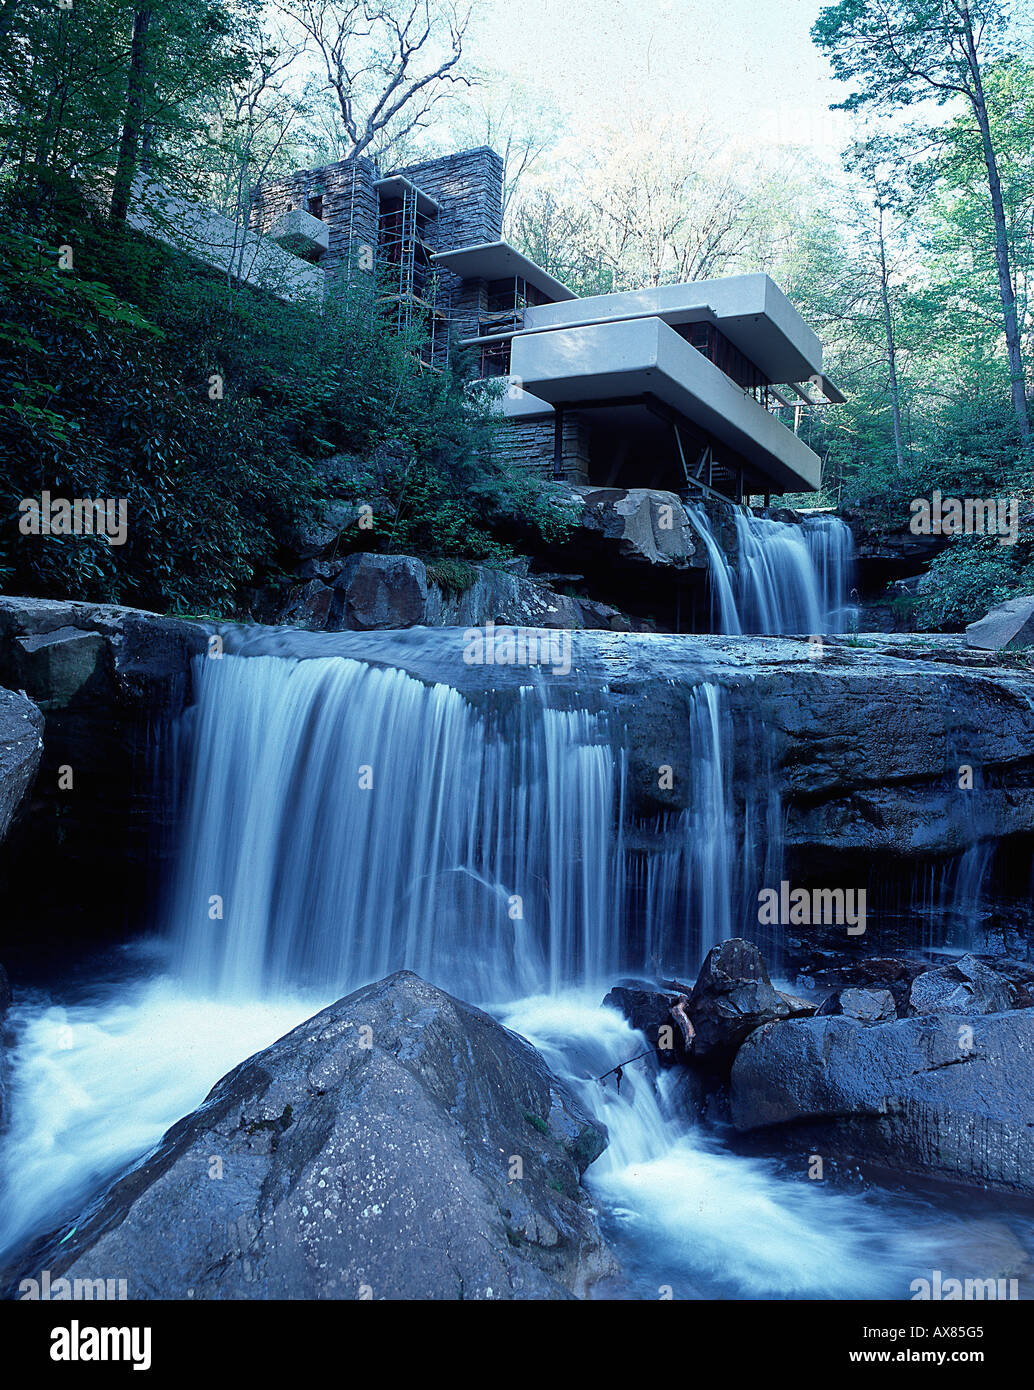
{"x":747,"y":68}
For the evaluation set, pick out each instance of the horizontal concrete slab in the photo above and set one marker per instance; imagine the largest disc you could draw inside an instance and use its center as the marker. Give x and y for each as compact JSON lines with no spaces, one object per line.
{"x":623,"y":360}
{"x":497,"y":260}
{"x":750,"y":310}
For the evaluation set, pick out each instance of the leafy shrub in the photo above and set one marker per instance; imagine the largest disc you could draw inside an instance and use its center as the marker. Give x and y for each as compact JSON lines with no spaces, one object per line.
{"x":107,"y":376}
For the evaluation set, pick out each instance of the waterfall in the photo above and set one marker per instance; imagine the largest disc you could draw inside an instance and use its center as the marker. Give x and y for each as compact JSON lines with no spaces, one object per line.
{"x":342,"y":820}
{"x":345,"y":821}
{"x":831,"y":546}
{"x":724,"y":616}
{"x":779,"y":588}
{"x":788,"y":578}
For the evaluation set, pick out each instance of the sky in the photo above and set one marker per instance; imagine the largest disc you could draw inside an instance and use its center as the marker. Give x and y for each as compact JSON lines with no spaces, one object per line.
{"x":747,"y":67}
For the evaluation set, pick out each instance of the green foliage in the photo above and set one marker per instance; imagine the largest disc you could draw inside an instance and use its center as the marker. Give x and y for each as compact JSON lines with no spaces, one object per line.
{"x":975,"y":574}
{"x":896,"y":52}
{"x":107,"y":374}
{"x":453,"y":577}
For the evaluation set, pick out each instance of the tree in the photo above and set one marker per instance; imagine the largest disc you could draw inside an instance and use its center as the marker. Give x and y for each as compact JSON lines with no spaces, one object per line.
{"x":133,"y":123}
{"x":897,"y":52}
{"x":877,"y":173}
{"x":671,"y":205}
{"x":89,"y":94}
{"x":388,"y":63}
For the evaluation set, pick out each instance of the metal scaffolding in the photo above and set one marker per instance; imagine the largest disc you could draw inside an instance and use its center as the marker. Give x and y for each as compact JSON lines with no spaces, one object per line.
{"x":409,"y":277}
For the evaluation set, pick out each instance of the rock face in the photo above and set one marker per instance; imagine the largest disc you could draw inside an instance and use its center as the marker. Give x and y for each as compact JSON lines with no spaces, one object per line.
{"x":642,"y":525}
{"x":947,"y":1095}
{"x":103,"y":677}
{"x":367,"y":592}
{"x":21,"y":746}
{"x":865,"y":1005}
{"x":380,"y":591}
{"x":964,"y":987}
{"x":862,"y":740}
{"x":888,"y":551}
{"x":1009,"y":625}
{"x":433,"y":1156}
{"x":733,"y":995}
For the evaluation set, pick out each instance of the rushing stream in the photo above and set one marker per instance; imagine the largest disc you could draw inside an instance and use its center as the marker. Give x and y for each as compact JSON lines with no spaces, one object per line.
{"x":341,"y":820}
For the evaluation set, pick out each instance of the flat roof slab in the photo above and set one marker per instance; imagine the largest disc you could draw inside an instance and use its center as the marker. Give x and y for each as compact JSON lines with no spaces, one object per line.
{"x":750,"y":310}
{"x":497,"y":260}
{"x":616,"y":361}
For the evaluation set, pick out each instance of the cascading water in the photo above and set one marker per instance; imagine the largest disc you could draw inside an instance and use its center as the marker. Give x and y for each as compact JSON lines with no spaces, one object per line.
{"x":343,"y":820}
{"x":351,"y":821}
{"x":779,"y":588}
{"x":831,"y":547}
{"x":724,"y":614}
{"x":788,"y":578}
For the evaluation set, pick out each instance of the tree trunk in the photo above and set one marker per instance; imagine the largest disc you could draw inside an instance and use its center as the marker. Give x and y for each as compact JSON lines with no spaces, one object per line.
{"x":1005,"y":284}
{"x":888,"y":325}
{"x":133,"y":124}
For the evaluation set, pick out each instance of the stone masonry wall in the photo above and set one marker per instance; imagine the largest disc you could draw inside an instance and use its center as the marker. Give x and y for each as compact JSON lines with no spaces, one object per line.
{"x":468,"y":187}
{"x":352,"y":226}
{"x":529,"y":443}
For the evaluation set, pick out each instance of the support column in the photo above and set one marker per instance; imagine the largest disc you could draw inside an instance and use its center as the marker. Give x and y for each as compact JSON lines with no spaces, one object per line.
{"x":558,"y":444}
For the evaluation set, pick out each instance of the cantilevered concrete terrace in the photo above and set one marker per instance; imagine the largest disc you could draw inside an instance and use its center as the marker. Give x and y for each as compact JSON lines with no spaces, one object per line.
{"x":684,"y":374}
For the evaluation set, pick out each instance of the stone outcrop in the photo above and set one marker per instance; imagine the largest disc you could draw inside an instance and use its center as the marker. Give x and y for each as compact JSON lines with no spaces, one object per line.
{"x":887,"y":550}
{"x":864,"y":1005}
{"x":965,"y":987}
{"x":401,"y":1144}
{"x":732,"y":996}
{"x":640,"y":525}
{"x":21,"y":747}
{"x":948,"y":1095}
{"x":868,"y":743}
{"x":865,"y":742}
{"x":367,"y":592}
{"x":1007,"y":627}
{"x":104,"y":677}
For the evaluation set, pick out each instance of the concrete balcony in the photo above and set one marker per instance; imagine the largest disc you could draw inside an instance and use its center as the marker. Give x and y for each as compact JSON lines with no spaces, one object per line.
{"x":301,"y":234}
{"x":619,"y":371}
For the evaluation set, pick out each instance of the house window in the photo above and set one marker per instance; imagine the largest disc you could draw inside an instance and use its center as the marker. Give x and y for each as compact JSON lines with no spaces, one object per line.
{"x":316,"y":206}
{"x":716,"y":347}
{"x":495,"y":358}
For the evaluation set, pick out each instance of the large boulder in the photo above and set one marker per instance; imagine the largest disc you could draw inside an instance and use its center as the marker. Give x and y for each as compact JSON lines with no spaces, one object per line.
{"x":733,"y":995}
{"x":964,"y":987}
{"x":21,"y":746}
{"x":645,"y":526}
{"x":660,"y":1015}
{"x":380,"y":591}
{"x":1010,"y":625}
{"x":948,"y":1095}
{"x":399,"y":1145}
